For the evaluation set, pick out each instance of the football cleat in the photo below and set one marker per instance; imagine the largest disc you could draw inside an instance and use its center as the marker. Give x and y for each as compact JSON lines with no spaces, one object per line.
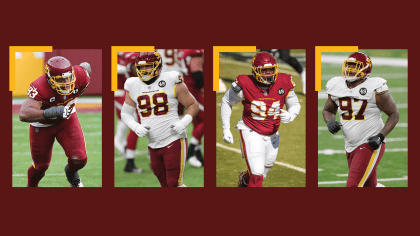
{"x":130,"y":167}
{"x":194,"y":162}
{"x":241,"y":182}
{"x":73,"y":177}
{"x":199,"y":156}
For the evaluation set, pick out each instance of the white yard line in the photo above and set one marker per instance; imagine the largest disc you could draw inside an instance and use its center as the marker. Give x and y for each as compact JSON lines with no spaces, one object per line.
{"x":276,"y":162}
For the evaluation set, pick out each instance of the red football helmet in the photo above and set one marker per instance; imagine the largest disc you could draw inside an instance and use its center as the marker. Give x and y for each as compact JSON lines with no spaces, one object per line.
{"x":357,"y":66}
{"x":60,"y":75}
{"x":148,"y":65}
{"x":264,"y":68}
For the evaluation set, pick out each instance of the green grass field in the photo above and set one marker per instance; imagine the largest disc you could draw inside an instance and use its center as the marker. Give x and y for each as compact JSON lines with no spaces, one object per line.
{"x":91,"y":174}
{"x":292,"y":136}
{"x":392,"y":170}
{"x":193,"y":177}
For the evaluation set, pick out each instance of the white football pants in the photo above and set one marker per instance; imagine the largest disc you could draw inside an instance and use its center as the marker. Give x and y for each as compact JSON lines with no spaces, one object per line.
{"x":258,"y":150}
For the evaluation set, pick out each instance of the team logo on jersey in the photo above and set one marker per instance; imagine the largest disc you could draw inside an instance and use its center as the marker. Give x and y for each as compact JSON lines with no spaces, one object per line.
{"x":52,"y":99}
{"x":75,"y":91}
{"x":162,"y":83}
{"x":281,"y":91}
{"x":363,"y":91}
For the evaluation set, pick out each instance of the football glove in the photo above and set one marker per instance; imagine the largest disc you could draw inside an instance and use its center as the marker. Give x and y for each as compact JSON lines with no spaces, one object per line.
{"x":180,"y":127}
{"x":57,"y":112}
{"x":286,"y":117}
{"x":227,"y":136}
{"x":375,"y":141}
{"x":333,"y":126}
{"x":142,"y":130}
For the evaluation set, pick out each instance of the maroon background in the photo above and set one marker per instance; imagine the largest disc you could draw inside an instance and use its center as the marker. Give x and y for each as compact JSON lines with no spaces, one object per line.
{"x":210,"y":210}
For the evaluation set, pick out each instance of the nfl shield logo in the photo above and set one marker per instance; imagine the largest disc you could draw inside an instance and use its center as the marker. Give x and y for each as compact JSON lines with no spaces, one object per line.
{"x":281,"y":91}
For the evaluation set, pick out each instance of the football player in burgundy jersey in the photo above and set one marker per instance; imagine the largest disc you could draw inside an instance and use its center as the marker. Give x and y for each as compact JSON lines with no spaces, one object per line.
{"x":191,"y":63}
{"x":155,"y":96}
{"x":50,"y":110}
{"x":361,"y":99}
{"x":263,"y":95}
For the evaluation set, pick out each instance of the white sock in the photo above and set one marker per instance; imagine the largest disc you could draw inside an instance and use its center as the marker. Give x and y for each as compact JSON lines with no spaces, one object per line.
{"x":130,"y":154}
{"x":194,"y":141}
{"x":120,"y":132}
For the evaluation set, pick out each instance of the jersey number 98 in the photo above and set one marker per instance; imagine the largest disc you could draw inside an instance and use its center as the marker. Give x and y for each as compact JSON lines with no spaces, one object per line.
{"x":160,"y":104}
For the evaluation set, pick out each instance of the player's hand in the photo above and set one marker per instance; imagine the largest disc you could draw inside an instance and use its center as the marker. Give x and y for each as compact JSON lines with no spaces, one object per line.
{"x":142,"y":130}
{"x":375,"y":141}
{"x":178,"y":128}
{"x":286,"y":117}
{"x":57,"y":112}
{"x":333,"y":126}
{"x":227,"y":136}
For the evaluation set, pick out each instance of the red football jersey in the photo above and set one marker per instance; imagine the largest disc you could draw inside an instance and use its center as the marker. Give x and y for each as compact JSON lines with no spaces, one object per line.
{"x":262,"y":108}
{"x":121,"y":77}
{"x":41,"y":90}
{"x":184,"y":57}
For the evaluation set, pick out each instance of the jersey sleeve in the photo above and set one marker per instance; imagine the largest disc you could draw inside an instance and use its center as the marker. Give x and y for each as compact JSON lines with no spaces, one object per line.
{"x":37,"y":92}
{"x":381,"y":86}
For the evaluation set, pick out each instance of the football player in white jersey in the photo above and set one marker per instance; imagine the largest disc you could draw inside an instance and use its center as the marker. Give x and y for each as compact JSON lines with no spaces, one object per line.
{"x":156,"y":94}
{"x":361,"y":100}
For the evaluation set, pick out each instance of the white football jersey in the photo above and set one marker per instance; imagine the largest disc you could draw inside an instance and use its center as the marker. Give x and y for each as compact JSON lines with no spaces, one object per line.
{"x":359,"y":114}
{"x":157,"y":106}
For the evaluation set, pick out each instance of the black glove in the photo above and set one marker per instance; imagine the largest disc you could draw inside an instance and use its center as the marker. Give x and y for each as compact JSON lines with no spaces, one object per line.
{"x":57,"y":112}
{"x":375,"y":141}
{"x":334,"y":126}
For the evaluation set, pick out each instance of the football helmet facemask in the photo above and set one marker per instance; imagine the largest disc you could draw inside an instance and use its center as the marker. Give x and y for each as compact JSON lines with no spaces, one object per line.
{"x":148,"y":65}
{"x":264,"y":68}
{"x":60,"y":75}
{"x":357,"y":66}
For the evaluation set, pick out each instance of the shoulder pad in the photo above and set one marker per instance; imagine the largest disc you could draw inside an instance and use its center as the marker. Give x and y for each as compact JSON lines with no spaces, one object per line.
{"x":236,"y":87}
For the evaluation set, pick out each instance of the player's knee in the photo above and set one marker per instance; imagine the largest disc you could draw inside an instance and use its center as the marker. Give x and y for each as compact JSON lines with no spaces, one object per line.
{"x":41,"y":168}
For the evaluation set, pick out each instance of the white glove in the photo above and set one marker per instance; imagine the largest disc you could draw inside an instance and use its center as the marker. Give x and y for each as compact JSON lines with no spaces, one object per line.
{"x":286,"y":117}
{"x":227,"y":136}
{"x":142,"y":130}
{"x":178,"y":128}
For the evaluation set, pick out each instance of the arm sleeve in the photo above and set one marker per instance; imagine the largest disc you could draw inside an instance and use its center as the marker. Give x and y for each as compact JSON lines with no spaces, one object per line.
{"x":127,"y":116}
{"x":231,"y":98}
{"x":292,"y":104}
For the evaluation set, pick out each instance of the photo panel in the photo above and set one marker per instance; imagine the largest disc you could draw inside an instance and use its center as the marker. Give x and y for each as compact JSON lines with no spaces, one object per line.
{"x":364,"y":106}
{"x":58,"y":92}
{"x":260,"y":137}
{"x":164,"y":88}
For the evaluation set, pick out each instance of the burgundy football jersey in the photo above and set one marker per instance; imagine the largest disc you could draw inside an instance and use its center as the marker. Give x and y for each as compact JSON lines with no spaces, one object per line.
{"x":262,"y":108}
{"x":184,"y":56}
{"x":41,"y":90}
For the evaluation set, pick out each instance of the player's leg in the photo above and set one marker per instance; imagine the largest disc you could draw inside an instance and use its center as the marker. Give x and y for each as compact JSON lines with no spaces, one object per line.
{"x":253,"y":151}
{"x":158,"y":166}
{"x":130,"y":152}
{"x":362,"y":163}
{"x":272,"y":149}
{"x":174,"y":158}
{"x":41,"y":142}
{"x":372,"y":180}
{"x":71,"y":138}
{"x":195,"y":156}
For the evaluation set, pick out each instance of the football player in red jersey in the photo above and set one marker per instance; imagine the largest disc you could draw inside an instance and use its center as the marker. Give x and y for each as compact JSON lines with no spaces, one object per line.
{"x":191,"y":63}
{"x":50,"y":110}
{"x":263,"y":95}
{"x":361,"y":99}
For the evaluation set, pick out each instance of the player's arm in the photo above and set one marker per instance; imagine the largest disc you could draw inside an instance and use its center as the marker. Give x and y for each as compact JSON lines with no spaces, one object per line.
{"x":233,"y":96}
{"x":127,"y":116}
{"x":293,"y":108}
{"x":188,"y":101}
{"x":87,"y":67}
{"x":330,"y":109}
{"x":31,"y":111}
{"x":386,"y":103}
{"x":196,"y":67}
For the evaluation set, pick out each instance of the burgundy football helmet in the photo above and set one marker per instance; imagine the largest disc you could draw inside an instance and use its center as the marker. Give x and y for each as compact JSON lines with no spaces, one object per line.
{"x":264,"y":68}
{"x":357,"y":66}
{"x":60,"y":75}
{"x":148,"y":65}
